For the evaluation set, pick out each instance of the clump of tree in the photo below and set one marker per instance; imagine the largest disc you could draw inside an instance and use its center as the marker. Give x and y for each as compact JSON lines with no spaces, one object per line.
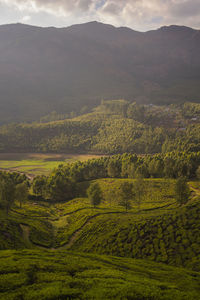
{"x":182,"y":191}
{"x":126,"y":195}
{"x":13,"y":186}
{"x":39,"y":185}
{"x":140,"y":190}
{"x":94,"y":194}
{"x":7,"y":193}
{"x":21,"y":193}
{"x":198,"y":173}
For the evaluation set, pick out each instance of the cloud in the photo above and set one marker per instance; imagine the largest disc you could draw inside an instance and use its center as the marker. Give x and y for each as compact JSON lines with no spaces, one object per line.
{"x":52,"y":6}
{"x":111,"y":8}
{"x":138,"y":14}
{"x":25,"y":19}
{"x":185,"y":8}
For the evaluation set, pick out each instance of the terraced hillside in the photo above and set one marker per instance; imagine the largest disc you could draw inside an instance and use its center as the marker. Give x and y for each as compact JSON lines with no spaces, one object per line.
{"x":158,"y":230}
{"x":36,"y":274}
{"x":57,"y":245}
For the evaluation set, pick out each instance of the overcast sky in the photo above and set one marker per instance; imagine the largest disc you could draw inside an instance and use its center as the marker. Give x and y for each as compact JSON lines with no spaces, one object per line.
{"x":140,"y":15}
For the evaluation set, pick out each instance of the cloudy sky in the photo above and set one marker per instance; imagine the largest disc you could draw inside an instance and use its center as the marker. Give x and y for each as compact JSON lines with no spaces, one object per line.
{"x":140,"y":15}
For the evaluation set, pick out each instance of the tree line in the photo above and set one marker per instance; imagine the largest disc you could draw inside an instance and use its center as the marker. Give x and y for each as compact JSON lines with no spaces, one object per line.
{"x":63,"y":182}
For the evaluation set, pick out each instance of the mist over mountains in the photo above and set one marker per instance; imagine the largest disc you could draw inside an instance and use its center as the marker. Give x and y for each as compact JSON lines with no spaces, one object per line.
{"x":47,"y":69}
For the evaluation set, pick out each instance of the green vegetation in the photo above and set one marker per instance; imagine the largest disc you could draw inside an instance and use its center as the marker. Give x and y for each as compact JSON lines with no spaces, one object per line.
{"x":182,"y":191}
{"x":113,"y":127}
{"x":126,"y":194}
{"x":110,"y":206}
{"x":65,"y":275}
{"x":94,"y":194}
{"x":157,"y":229}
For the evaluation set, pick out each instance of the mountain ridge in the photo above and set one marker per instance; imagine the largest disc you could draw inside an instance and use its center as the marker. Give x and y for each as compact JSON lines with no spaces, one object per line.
{"x":64,"y":69}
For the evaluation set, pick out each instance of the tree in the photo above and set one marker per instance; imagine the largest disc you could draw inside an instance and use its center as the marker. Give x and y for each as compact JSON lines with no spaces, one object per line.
{"x":126,"y":195}
{"x":39,"y":186}
{"x":182,"y":191}
{"x":113,"y":169}
{"x":7,"y":193}
{"x":110,"y":195}
{"x":21,"y":193}
{"x":198,"y":173}
{"x":140,"y":190}
{"x":60,"y":188}
{"x":94,"y":194}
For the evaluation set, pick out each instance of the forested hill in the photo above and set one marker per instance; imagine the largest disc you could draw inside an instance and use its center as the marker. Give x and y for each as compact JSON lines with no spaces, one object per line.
{"x":46,"y":69}
{"x":114,"y":127}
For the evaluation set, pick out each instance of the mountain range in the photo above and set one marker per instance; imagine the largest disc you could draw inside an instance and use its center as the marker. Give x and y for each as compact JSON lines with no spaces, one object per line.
{"x":64,"y":69}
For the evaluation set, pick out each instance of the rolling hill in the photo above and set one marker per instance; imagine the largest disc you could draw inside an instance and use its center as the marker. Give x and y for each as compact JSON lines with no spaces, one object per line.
{"x":47,"y":247}
{"x":47,"y":69}
{"x":113,"y":127}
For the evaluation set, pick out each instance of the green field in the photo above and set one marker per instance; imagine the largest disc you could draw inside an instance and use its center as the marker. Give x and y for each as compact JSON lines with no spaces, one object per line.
{"x":46,"y":275}
{"x":71,"y":250}
{"x":38,"y":163}
{"x":158,"y":230}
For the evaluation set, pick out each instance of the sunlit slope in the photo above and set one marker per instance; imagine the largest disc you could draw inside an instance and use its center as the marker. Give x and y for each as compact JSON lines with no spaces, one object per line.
{"x":159,"y":230}
{"x":36,"y":274}
{"x":114,"y":127}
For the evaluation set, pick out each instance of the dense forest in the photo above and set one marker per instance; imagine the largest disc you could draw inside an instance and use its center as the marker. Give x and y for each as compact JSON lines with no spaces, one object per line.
{"x":115,"y":126}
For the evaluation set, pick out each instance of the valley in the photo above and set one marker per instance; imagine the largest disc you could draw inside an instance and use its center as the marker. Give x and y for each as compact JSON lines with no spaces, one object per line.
{"x":99,"y":157}
{"x":68,"y":245}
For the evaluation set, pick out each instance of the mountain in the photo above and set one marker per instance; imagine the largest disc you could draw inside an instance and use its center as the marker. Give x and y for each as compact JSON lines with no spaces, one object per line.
{"x":46,"y":69}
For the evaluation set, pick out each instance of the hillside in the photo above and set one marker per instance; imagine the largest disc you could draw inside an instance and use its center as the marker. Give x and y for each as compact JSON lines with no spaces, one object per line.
{"x":47,"y":69}
{"x":52,"y":233}
{"x":48,"y":275}
{"x":113,"y":127}
{"x":159,"y":229}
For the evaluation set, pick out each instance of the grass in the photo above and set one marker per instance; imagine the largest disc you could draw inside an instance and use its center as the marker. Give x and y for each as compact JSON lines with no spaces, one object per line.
{"x":34,"y":274}
{"x":160,"y":231}
{"x":38,"y":163}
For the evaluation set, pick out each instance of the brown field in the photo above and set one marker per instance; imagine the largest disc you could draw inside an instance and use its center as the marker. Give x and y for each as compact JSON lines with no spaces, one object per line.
{"x":38,"y":163}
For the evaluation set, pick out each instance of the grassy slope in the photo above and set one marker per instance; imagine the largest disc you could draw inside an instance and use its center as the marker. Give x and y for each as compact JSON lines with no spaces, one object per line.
{"x":65,"y":275}
{"x":160,"y":230}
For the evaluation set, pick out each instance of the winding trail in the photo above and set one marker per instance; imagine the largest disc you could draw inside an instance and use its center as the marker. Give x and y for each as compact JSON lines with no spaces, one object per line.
{"x":26,"y":228}
{"x":29,"y":176}
{"x":25,"y":233}
{"x":77,"y":231}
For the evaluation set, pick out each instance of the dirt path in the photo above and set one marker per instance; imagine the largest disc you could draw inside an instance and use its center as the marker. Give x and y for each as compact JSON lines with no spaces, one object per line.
{"x":25,"y":233}
{"x":77,"y":232}
{"x":197,"y":191}
{"x":26,"y":236}
{"x":29,"y":176}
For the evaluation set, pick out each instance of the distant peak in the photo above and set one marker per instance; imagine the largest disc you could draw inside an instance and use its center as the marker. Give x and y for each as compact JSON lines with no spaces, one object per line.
{"x":177,"y":28}
{"x":92,"y":24}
